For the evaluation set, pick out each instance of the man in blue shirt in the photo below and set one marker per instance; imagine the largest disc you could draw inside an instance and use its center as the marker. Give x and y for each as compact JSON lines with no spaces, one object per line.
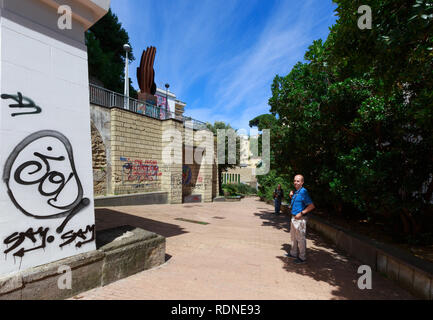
{"x":301,"y":204}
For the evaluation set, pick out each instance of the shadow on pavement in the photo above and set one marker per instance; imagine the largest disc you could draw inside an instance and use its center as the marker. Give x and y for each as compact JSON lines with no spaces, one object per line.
{"x":328,"y":264}
{"x":280,"y":222}
{"x":107,"y":218}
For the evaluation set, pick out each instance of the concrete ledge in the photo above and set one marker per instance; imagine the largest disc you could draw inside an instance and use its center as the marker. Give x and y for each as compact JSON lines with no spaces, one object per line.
{"x":133,"y":251}
{"x":193,"y":198}
{"x":41,"y":283}
{"x":410,"y":272}
{"x":135,"y":199}
{"x":11,"y":284}
{"x":233,"y":199}
{"x":121,"y":252}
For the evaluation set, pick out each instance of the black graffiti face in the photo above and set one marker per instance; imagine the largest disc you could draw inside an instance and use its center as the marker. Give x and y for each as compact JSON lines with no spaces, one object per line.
{"x":42,"y":180}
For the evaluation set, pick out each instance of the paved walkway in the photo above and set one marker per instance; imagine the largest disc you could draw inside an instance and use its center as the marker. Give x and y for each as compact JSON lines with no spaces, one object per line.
{"x":238,"y":255}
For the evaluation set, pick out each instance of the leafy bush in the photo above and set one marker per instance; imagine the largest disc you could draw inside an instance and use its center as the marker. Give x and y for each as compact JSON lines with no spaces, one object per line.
{"x":238,"y":189}
{"x":268,"y":183}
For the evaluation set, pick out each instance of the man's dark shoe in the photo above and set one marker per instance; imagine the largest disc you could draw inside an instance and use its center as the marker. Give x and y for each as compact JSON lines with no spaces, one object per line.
{"x":288,"y":255}
{"x":299,"y":261}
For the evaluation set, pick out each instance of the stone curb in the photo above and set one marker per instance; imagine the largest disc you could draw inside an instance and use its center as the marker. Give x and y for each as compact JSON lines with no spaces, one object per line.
{"x":410,"y":272}
{"x":133,"y":199}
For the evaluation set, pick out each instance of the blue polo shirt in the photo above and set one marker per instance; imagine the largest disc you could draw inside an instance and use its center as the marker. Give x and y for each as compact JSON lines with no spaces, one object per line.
{"x":300,"y":200}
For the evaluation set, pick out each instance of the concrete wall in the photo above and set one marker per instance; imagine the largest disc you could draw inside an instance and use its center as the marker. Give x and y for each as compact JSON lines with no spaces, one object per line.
{"x":46,"y":196}
{"x":410,"y":272}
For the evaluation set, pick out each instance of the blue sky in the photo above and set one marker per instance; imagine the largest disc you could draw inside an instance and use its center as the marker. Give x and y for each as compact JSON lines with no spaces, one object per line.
{"x":220,"y":57}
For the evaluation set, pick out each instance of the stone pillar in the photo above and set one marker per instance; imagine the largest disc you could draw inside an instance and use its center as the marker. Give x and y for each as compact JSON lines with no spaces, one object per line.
{"x":46,"y":192}
{"x":171,"y":145}
{"x":216,"y":182}
{"x":205,"y":141}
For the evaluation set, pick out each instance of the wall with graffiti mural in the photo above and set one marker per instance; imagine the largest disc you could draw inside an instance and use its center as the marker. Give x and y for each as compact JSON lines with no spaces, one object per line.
{"x":137,"y":172}
{"x":134,"y":148}
{"x":136,"y":153}
{"x":46,"y":190}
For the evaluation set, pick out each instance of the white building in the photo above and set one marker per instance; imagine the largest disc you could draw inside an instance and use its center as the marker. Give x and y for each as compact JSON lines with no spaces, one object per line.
{"x":166,"y":100}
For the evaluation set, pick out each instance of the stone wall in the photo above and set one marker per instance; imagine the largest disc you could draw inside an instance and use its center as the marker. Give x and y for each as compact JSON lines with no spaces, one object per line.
{"x":215,"y":179}
{"x":99,"y":163}
{"x":172,"y":173}
{"x":134,"y":152}
{"x":101,"y":138}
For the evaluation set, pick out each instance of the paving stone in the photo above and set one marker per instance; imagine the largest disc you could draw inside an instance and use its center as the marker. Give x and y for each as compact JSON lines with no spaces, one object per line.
{"x":239,"y":257}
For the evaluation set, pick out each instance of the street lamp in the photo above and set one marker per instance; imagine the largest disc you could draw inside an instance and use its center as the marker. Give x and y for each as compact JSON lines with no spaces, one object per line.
{"x":127,"y":49}
{"x":166,"y":96}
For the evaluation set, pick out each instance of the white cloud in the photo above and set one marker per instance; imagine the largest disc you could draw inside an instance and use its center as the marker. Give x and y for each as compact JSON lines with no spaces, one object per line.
{"x":219,"y":72}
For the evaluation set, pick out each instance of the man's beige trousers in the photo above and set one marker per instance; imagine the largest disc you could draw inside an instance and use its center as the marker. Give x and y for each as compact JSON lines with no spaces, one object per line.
{"x":298,"y":229}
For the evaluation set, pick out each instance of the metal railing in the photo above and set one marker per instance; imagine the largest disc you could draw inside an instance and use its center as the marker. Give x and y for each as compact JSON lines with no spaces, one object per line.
{"x":106,"y":98}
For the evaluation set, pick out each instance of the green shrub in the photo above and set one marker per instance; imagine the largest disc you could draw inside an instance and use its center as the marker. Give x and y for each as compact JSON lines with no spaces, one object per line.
{"x":238,"y":189}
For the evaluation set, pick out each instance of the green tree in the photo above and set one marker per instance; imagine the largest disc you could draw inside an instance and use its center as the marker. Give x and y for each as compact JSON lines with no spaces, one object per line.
{"x":356,"y":118}
{"x":223,"y":167}
{"x":395,"y":122}
{"x":106,"y":55}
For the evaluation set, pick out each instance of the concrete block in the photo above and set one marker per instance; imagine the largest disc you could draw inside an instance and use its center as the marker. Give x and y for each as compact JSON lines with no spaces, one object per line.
{"x":328,"y":231}
{"x":42,"y":283}
{"x":393,"y":268}
{"x":312,"y":223}
{"x":364,"y":252}
{"x":431,"y":289}
{"x":129,"y":250}
{"x":9,"y":284}
{"x":422,"y":284}
{"x":344,"y":242}
{"x":382,"y":262}
{"x":406,"y":276}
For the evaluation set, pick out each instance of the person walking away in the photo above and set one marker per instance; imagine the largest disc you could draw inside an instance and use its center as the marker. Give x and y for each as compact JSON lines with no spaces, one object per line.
{"x":301,"y":205}
{"x":278,"y":197}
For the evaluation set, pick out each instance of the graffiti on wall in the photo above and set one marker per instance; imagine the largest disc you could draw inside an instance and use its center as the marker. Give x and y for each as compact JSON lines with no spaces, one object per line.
{"x":186,"y":175}
{"x":41,"y":178}
{"x":140,"y":171}
{"x":176,"y":186}
{"x":199,"y":182}
{"x":20,"y":104}
{"x":43,"y":184}
{"x":156,"y":112}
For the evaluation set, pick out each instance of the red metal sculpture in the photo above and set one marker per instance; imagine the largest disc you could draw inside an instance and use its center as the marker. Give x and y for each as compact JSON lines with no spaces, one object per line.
{"x":146,"y":75}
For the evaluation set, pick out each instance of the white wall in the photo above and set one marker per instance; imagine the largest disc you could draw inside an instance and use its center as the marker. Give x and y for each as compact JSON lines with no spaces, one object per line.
{"x":47,"y":152}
